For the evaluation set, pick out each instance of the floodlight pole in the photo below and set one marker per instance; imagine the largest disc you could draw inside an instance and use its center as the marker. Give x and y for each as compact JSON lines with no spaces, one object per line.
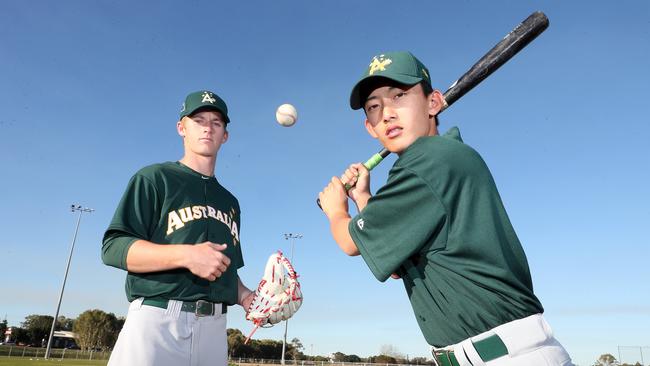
{"x":290,"y":237}
{"x":81,"y":210}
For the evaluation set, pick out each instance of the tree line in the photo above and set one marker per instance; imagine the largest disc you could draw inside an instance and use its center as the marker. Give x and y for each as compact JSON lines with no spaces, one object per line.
{"x":271,"y":349}
{"x":96,"y":329}
{"x":609,"y":360}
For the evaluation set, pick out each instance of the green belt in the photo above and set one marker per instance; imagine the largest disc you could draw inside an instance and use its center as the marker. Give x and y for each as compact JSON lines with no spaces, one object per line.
{"x":199,"y":308}
{"x":489,"y":349}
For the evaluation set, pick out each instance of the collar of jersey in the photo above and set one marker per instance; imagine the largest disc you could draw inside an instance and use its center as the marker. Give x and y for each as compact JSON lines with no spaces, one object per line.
{"x":194,"y":172}
{"x":452,"y":134}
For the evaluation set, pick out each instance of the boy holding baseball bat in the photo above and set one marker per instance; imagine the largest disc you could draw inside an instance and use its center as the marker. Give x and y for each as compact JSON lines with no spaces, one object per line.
{"x":439,"y":224}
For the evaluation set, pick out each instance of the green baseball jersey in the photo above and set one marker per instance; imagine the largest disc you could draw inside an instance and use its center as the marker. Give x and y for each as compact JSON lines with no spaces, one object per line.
{"x":170,"y":203}
{"x":440,"y":224}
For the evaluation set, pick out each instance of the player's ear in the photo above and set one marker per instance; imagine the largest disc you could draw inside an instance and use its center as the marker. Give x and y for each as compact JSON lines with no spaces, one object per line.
{"x":180,"y":128}
{"x":225,"y":136}
{"x":435,"y":101}
{"x":370,"y":130}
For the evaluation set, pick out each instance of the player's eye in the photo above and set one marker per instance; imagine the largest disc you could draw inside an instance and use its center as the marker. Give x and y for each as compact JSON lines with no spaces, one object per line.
{"x":399,"y":95}
{"x":372,"y":107}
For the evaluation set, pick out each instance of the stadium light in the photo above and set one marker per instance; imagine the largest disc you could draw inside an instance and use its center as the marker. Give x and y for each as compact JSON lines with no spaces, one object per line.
{"x":81,"y":210}
{"x":290,"y":237}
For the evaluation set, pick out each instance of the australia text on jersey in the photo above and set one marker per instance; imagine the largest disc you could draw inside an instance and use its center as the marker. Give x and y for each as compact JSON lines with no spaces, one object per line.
{"x":177,"y":218}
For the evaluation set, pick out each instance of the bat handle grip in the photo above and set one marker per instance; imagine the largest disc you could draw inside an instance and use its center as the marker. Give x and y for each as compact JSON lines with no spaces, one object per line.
{"x":370,"y":164}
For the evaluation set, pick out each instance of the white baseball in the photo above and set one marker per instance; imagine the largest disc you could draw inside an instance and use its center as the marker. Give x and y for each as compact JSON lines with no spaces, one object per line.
{"x":286,"y":115}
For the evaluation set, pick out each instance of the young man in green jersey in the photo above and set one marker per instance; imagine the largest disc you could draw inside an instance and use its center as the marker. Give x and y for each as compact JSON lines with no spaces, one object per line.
{"x":176,"y":232}
{"x":439,"y":225}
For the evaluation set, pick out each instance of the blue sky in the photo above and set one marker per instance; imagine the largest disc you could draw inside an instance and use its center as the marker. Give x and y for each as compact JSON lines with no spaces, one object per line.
{"x":90,"y":93}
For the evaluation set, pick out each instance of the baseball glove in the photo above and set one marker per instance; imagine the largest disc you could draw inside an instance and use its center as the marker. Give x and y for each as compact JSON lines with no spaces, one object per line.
{"x":278,"y":294}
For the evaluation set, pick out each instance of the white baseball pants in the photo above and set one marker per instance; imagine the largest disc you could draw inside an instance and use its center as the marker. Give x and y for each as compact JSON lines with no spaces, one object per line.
{"x":170,"y":337}
{"x":529,"y":341}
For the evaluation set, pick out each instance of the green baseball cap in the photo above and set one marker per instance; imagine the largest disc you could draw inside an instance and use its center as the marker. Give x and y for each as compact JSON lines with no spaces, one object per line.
{"x":204,"y":99}
{"x":400,"y":66}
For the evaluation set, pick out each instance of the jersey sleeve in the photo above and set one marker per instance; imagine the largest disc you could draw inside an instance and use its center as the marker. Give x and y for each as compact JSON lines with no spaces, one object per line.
{"x":397,"y":222}
{"x":134,"y":219}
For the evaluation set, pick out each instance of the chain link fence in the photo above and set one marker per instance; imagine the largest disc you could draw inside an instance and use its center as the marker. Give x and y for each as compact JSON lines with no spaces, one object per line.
{"x":254,"y":361}
{"x":62,"y":353}
{"x":55,"y":353}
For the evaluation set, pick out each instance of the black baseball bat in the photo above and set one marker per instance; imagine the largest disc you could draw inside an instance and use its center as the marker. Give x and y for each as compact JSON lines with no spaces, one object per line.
{"x":509,"y":46}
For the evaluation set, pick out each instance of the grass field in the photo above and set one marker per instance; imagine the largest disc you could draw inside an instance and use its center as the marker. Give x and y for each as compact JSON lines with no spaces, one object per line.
{"x":24,"y":361}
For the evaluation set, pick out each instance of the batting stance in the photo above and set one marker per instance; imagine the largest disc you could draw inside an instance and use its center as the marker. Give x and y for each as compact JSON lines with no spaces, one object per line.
{"x":176,"y":232}
{"x":440,"y":225}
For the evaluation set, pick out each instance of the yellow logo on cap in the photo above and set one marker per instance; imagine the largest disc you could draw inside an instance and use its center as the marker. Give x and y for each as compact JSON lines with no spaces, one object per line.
{"x":424,"y":71}
{"x":207,"y":97}
{"x":379,"y":64}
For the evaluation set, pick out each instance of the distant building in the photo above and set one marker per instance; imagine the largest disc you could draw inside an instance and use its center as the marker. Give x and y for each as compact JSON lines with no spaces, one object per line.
{"x":64,"y":339}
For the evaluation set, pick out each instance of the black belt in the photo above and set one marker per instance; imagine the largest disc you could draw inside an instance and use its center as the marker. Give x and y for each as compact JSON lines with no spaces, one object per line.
{"x":489,"y":349}
{"x":199,"y":308}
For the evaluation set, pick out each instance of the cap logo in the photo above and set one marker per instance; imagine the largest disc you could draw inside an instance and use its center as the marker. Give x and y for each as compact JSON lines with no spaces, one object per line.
{"x":424,"y":71}
{"x":379,"y":64}
{"x":207,"y":97}
{"x":183,"y":107}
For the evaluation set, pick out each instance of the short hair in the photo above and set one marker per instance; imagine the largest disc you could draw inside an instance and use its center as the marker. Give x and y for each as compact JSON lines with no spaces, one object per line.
{"x":426,"y":87}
